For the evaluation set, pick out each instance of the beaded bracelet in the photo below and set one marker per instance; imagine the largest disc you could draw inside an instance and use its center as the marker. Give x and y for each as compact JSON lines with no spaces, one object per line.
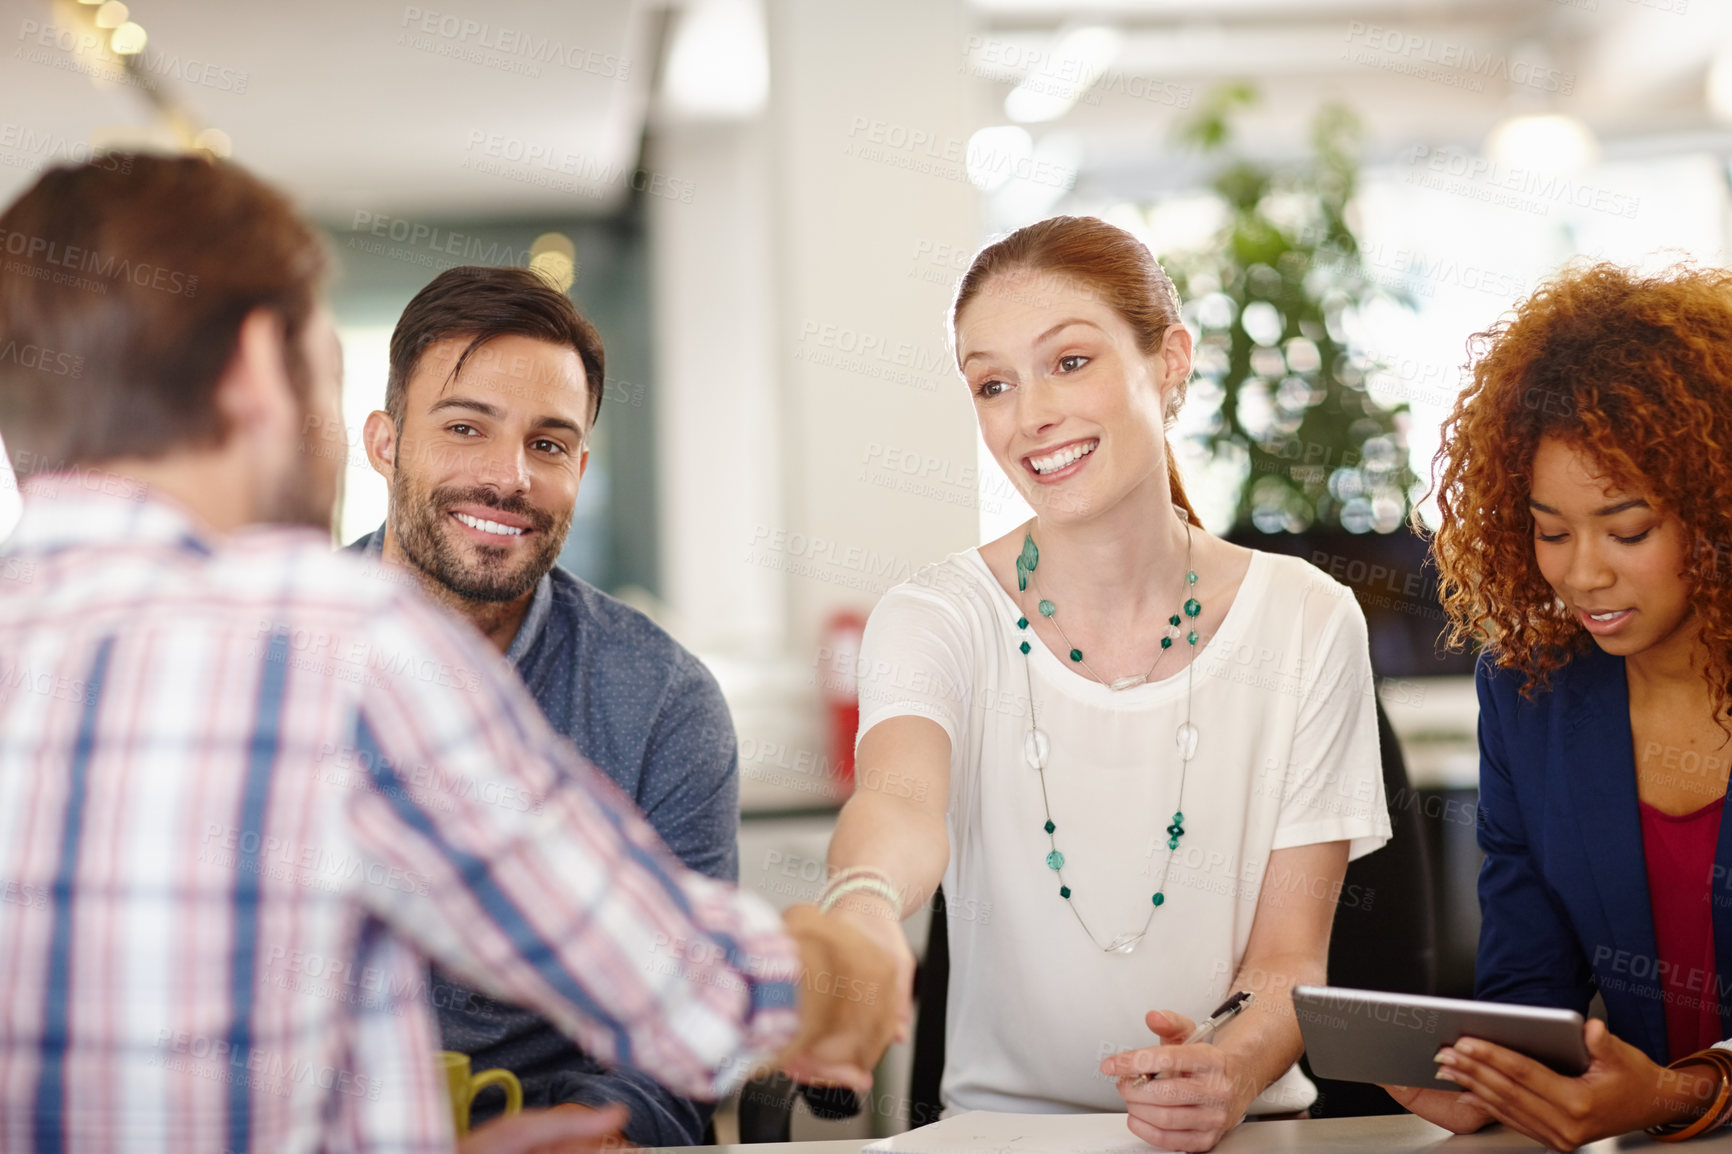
{"x":843,"y":875}
{"x":1717,"y":1114}
{"x":861,"y":885}
{"x":861,"y":881}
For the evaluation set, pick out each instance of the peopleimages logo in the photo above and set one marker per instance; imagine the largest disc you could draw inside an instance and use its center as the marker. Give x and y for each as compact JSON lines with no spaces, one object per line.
{"x":544,"y":165}
{"x":499,"y":46}
{"x":31,"y":148}
{"x":465,"y":247}
{"x":1520,"y":187}
{"x":43,"y":360}
{"x":75,"y":259}
{"x":1447,"y":61}
{"x":87,"y":52}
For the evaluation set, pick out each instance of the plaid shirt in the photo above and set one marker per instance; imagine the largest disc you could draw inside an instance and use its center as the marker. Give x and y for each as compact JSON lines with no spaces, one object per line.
{"x":247,"y":788}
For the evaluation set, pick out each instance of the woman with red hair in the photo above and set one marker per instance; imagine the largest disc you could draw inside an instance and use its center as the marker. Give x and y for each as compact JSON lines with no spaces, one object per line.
{"x":1584,"y":486}
{"x":1137,"y":756}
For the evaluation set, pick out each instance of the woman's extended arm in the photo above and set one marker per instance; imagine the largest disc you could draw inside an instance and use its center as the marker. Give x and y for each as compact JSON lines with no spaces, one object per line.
{"x":1205,"y":1088}
{"x":894,"y":824}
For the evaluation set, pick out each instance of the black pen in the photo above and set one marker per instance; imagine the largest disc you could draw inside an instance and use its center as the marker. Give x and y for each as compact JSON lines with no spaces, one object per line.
{"x":1224,"y":1013}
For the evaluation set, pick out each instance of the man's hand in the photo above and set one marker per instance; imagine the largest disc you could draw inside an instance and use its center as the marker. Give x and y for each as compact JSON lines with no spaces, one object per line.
{"x":1200,"y":1095}
{"x":561,"y":1130}
{"x":1623,"y":1090}
{"x":872,"y":916}
{"x":853,"y":999}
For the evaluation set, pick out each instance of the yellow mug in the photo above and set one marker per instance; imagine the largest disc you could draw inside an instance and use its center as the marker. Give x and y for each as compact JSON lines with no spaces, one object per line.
{"x":462,"y":1086}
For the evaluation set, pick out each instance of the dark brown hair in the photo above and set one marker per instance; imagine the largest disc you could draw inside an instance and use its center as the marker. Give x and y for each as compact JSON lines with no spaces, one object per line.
{"x":123,"y":285}
{"x":481,"y":304}
{"x":1636,"y":371}
{"x":1104,"y":261}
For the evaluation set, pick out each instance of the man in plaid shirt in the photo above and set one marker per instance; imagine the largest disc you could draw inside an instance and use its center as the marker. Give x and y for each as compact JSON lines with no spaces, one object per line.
{"x":249,"y":787}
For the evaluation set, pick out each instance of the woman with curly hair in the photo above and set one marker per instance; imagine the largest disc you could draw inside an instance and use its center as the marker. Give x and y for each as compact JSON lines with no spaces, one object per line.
{"x":1584,"y":485}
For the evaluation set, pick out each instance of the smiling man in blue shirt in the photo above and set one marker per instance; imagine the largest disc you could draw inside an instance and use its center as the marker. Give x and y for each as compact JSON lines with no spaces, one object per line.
{"x":495,"y":384}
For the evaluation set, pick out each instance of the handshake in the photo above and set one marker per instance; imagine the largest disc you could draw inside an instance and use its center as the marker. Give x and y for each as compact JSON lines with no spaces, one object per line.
{"x":856,"y":984}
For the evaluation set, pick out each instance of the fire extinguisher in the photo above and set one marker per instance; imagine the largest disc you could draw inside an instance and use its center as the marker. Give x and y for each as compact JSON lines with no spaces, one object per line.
{"x":839,"y":683}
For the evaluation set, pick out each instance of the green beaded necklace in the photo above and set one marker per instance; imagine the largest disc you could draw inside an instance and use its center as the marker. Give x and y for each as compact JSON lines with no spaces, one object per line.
{"x":1036,"y":747}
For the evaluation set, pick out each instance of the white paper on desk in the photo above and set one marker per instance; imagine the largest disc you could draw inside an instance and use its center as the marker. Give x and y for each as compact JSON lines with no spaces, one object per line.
{"x":983,"y":1132}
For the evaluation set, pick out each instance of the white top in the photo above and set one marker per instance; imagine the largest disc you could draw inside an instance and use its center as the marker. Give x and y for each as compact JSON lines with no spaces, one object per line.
{"x":1287,"y":756}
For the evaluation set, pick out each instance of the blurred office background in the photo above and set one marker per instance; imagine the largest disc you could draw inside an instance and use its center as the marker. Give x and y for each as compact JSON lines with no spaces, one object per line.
{"x":764,"y":206}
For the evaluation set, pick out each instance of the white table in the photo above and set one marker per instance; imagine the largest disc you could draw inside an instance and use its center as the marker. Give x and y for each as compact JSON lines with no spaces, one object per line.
{"x":1395,"y":1134}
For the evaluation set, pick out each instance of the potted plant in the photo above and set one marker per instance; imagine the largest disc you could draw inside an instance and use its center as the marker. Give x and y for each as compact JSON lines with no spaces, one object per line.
{"x":1325,"y":464}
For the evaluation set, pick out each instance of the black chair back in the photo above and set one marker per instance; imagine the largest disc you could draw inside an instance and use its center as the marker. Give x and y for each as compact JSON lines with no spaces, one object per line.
{"x":1385,"y":934}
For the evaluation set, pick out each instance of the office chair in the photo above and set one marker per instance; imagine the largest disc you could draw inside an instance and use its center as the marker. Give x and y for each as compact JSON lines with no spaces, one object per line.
{"x":1385,"y":934}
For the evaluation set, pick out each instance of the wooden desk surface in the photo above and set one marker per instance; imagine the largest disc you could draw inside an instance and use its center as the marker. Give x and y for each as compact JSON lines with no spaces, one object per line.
{"x":1395,"y":1134}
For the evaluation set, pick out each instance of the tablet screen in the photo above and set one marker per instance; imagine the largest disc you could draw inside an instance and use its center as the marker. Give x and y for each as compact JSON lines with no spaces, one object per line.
{"x":1371,"y":1036}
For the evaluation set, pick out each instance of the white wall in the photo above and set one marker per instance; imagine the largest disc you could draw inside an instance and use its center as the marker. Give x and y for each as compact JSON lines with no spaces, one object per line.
{"x":718,"y":421}
{"x":871,"y":113}
{"x":816,"y":444}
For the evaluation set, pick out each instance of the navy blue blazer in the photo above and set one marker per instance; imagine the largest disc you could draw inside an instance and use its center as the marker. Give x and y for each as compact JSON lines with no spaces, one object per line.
{"x":1563,"y":893}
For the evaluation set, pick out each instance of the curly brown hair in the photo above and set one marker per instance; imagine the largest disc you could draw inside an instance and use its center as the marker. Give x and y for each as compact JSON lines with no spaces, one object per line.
{"x":1637,"y":372}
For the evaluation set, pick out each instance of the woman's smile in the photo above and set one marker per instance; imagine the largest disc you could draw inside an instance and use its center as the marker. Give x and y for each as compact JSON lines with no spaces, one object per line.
{"x":1062,"y":462}
{"x":1606,"y":622}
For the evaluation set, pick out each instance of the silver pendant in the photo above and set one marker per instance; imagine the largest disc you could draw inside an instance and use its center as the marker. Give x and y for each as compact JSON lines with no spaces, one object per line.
{"x":1130,"y":682}
{"x":1186,"y":739}
{"x":1124,"y":943}
{"x":1034,"y":749}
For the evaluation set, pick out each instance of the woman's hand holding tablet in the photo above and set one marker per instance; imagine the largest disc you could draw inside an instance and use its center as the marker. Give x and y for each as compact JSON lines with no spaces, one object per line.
{"x":1622,"y":1090}
{"x":1575,"y":1083}
{"x":1454,"y":1110}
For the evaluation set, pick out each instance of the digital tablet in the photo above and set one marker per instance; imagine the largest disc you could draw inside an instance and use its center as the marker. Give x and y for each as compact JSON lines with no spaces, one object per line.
{"x":1370,"y":1036}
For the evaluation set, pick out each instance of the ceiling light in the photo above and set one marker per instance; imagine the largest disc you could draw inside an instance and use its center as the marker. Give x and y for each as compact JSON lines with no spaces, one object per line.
{"x":1720,"y":85}
{"x":214,"y":141}
{"x":1042,"y":181}
{"x":1552,"y":142}
{"x":553,"y":242}
{"x":555,"y":268}
{"x":128,"y":40}
{"x":1056,"y":83}
{"x":555,"y":258}
{"x":112,"y":15}
{"x":997,"y":154}
{"x":719,"y":65}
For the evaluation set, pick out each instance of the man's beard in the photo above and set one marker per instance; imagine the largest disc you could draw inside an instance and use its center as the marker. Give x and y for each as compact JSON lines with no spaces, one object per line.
{"x":426,"y":537}
{"x":306,"y":495}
